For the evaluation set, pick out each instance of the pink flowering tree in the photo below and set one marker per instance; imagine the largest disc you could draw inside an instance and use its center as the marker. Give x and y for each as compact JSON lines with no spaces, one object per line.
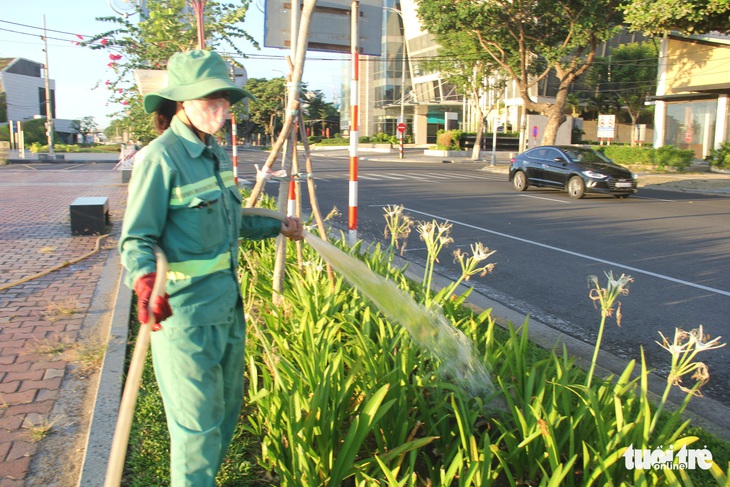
{"x":147,"y":39}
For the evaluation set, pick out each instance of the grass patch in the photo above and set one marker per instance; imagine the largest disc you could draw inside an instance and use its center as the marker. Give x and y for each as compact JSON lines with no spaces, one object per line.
{"x":65,"y":309}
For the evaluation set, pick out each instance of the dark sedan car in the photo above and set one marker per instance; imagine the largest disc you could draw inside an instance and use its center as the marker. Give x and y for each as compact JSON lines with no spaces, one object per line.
{"x":577,"y":170}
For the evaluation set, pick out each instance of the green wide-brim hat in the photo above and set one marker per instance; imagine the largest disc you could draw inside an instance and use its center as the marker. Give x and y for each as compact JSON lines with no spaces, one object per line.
{"x":192,"y":75}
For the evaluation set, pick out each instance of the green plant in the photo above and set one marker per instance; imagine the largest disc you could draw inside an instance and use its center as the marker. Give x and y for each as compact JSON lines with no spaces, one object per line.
{"x":339,"y":395}
{"x":40,"y":431}
{"x":625,"y":154}
{"x":669,"y":156}
{"x":448,"y":140}
{"x":720,"y":157}
{"x":335,"y":141}
{"x":398,"y":227}
{"x":436,"y":236}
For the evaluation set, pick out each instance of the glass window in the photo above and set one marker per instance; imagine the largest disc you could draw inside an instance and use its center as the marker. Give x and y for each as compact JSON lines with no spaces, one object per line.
{"x":691,"y":125}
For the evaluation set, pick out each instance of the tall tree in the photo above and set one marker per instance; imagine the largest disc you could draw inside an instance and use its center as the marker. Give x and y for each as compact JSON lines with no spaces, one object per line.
{"x":164,"y":28}
{"x":529,"y":40}
{"x":3,"y":107}
{"x":85,"y":126}
{"x":628,"y":75}
{"x":267,"y":110}
{"x":687,"y":16}
{"x":462,"y":62}
{"x":317,"y":110}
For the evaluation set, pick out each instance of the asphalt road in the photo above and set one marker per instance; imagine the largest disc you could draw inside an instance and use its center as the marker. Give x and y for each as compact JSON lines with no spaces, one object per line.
{"x":675,"y":245}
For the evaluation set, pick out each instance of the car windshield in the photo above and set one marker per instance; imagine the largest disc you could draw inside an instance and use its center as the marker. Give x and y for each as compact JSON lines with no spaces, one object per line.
{"x":583,"y":155}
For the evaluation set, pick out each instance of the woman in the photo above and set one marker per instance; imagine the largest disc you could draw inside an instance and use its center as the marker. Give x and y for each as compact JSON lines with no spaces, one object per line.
{"x":182,"y":198}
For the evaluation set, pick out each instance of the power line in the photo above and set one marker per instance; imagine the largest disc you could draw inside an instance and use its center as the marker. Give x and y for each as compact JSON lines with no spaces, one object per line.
{"x":41,"y":28}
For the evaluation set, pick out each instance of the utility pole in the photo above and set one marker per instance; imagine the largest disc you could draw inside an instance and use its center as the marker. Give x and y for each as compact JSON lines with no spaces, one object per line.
{"x":49,"y":115}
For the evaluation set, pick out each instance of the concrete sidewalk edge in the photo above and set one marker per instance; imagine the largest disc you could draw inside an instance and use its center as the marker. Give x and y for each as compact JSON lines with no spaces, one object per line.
{"x":109,"y":392}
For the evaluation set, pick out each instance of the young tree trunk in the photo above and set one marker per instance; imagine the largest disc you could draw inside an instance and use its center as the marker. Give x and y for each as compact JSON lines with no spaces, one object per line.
{"x":478,"y":141}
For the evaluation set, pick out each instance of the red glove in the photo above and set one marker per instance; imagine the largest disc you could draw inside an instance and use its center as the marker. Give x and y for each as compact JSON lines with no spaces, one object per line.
{"x":160,"y":307}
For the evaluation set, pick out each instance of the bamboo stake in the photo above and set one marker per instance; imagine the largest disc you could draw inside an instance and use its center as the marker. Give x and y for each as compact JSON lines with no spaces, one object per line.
{"x":293,"y":102}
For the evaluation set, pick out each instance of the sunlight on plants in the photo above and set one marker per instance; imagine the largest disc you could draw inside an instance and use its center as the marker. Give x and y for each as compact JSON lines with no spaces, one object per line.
{"x":339,"y":393}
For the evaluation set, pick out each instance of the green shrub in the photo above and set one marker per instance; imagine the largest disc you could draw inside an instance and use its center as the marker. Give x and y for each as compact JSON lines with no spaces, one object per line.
{"x":720,"y":158}
{"x":448,"y":140}
{"x":335,"y":141}
{"x":365,"y":139}
{"x":669,"y":156}
{"x":314,"y":139}
{"x":381,"y":138}
{"x":623,"y":154}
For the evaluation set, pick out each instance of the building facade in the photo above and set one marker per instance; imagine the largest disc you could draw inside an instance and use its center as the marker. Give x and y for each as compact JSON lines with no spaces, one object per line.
{"x":396,"y":84}
{"x":693,"y":89}
{"x":24,"y":86}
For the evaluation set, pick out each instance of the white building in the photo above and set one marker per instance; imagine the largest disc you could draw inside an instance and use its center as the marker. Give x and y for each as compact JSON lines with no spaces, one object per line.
{"x":25,"y":91}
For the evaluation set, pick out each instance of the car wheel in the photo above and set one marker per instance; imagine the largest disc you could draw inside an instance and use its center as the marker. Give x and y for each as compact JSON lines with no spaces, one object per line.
{"x":519,"y":180}
{"x":576,"y":187}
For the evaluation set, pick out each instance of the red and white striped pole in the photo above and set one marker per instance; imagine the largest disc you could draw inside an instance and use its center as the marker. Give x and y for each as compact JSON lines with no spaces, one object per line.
{"x":354,"y":124}
{"x":234,"y":147}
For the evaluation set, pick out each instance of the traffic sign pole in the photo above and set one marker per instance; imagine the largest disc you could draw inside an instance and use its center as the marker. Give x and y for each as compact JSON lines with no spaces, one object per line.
{"x":401,"y":135}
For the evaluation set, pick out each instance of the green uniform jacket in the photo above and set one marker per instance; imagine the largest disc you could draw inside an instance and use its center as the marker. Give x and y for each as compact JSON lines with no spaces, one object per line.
{"x":182,"y":197}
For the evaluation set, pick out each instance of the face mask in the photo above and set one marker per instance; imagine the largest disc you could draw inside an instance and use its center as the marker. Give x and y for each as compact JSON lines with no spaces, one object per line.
{"x":208,"y":116}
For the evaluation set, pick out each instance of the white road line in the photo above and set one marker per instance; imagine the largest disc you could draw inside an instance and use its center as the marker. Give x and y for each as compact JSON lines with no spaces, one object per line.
{"x":379,"y":175}
{"x":543,"y":198}
{"x":576,"y":254}
{"x":414,"y":176}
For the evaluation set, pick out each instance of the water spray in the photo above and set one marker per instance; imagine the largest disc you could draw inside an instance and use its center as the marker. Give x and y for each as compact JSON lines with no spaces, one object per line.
{"x":429,"y":328}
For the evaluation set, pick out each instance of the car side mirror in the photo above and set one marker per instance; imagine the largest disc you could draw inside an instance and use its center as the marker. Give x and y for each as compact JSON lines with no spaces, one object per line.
{"x":561,"y":160}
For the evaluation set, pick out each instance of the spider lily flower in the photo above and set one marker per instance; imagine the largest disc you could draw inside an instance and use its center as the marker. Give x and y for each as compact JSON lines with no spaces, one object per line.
{"x":470,"y":264}
{"x":398,"y":226}
{"x":606,"y":297}
{"x":683,"y":349}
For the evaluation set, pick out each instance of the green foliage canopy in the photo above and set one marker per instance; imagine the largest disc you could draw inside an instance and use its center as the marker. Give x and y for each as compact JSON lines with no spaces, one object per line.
{"x":169,"y":26}
{"x":686,"y":16}
{"x":628,"y":75}
{"x":530,"y":39}
{"x":267,"y":110}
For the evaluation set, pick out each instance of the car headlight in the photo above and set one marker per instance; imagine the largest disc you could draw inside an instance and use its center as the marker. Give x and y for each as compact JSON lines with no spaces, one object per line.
{"x":594,"y":175}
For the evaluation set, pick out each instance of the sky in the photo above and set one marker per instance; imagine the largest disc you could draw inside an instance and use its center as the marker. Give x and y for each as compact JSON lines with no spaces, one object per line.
{"x":80,"y":73}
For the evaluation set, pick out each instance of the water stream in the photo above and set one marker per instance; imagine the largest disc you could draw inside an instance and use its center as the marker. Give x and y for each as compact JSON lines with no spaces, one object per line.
{"x":429,"y":328}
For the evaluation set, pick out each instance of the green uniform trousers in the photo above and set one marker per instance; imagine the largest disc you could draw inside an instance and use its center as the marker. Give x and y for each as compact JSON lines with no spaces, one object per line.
{"x":199,"y":370}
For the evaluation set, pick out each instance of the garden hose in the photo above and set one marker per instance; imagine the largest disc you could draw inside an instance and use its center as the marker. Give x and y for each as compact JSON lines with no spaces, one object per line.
{"x":57,"y":267}
{"x":264,"y":212}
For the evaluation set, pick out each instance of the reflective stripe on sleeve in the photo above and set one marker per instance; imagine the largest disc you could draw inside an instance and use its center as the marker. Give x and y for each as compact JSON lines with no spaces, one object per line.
{"x":189,"y":269}
{"x":228,"y":179}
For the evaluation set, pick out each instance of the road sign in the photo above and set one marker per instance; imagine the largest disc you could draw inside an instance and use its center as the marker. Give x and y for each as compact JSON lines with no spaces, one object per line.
{"x":534,"y":131}
{"x":401,"y":127}
{"x":606,"y":126}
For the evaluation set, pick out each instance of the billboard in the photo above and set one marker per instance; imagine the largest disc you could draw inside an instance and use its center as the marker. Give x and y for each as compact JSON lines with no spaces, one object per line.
{"x":330,"y":27}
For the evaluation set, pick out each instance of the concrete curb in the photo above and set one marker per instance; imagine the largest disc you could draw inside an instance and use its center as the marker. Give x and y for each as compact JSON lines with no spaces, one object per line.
{"x":109,"y":392}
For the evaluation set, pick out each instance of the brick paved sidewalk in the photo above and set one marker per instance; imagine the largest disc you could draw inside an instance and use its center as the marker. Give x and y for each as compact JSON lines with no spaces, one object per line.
{"x":43,"y":343}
